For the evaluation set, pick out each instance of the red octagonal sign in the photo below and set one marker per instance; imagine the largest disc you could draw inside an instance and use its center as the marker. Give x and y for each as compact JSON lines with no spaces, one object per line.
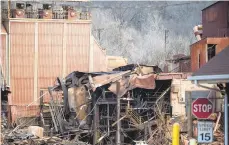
{"x":202,"y":108}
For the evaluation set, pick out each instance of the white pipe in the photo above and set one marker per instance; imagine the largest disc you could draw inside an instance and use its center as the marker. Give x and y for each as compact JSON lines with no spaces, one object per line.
{"x":226,"y":120}
{"x":197,"y":32}
{"x":209,"y":77}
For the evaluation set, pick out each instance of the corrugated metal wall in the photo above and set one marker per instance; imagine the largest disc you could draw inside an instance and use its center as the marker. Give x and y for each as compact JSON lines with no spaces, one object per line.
{"x":77,"y":45}
{"x":101,"y":60}
{"x":22,"y":42}
{"x":200,"y":47}
{"x":3,"y":53}
{"x":42,"y":51}
{"x":50,"y":53}
{"x":215,"y":20}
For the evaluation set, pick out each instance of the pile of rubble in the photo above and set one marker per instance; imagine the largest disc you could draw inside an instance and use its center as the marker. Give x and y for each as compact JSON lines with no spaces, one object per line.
{"x":90,"y":108}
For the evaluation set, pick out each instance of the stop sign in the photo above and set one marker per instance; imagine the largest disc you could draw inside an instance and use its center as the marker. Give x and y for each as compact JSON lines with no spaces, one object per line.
{"x":202,"y":108}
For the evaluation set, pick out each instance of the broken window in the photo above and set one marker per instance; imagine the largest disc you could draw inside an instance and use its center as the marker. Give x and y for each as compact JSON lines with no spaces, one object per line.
{"x":211,"y":51}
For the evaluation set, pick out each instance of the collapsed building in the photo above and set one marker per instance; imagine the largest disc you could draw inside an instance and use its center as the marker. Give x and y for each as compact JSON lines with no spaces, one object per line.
{"x":131,"y":104}
{"x":92,"y":105}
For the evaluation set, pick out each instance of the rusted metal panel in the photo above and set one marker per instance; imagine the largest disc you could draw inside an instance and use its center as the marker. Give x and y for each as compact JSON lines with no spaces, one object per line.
{"x":199,"y":50}
{"x":78,"y":45}
{"x":21,"y":62}
{"x":99,"y":58}
{"x":221,"y":43}
{"x":170,"y":76}
{"x":215,"y":20}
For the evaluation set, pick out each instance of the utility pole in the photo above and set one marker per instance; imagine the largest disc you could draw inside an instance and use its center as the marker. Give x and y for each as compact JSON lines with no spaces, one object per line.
{"x":189,"y":113}
{"x":166,"y":36}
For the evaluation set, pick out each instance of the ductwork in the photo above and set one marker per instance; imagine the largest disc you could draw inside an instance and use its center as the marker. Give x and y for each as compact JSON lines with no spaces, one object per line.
{"x":198,"y":31}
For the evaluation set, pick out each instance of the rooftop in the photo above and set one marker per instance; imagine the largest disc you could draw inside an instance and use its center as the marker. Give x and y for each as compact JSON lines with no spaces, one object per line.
{"x":45,"y":10}
{"x":211,"y":5}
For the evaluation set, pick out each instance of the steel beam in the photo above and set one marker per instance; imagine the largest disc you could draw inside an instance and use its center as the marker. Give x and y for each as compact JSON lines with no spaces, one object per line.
{"x":118,"y":139}
{"x":226,"y":120}
{"x":189,"y":114}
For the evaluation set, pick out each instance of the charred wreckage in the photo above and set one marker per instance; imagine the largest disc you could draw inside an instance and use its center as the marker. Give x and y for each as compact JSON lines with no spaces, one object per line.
{"x":124,"y":106}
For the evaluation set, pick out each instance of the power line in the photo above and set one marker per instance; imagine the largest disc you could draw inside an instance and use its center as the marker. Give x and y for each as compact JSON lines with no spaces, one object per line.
{"x":137,"y":6}
{"x":92,"y":6}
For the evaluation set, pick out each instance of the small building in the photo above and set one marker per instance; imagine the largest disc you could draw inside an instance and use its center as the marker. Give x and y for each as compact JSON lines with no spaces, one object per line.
{"x":205,"y":49}
{"x":179,"y":63}
{"x":214,"y":36}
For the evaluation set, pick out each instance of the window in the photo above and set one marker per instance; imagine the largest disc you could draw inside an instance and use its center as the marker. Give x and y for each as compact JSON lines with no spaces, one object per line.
{"x":199,"y":60}
{"x":211,"y":51}
{"x":211,"y":14}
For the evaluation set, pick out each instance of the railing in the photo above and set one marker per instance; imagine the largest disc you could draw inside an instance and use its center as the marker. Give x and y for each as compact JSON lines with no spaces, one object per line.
{"x":137,"y":119}
{"x":38,"y":14}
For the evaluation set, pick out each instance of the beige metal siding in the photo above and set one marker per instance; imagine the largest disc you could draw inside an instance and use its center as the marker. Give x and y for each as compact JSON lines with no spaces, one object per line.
{"x":50,"y":48}
{"x":77,"y":45}
{"x":22,"y":111}
{"x":115,"y":61}
{"x":99,"y":60}
{"x":40,"y":51}
{"x":21,"y":62}
{"x":3,"y":53}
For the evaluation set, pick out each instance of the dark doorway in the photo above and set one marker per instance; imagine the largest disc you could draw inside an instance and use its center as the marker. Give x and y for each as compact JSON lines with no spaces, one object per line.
{"x":211,"y":51}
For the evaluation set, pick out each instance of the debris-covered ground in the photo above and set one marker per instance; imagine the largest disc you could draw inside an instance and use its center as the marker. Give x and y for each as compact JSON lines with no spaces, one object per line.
{"x":127,"y":105}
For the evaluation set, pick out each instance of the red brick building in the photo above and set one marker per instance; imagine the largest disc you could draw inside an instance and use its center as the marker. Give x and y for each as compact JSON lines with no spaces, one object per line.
{"x":215,"y":34}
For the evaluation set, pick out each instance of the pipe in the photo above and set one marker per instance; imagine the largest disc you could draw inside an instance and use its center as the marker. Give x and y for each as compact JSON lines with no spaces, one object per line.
{"x":197,"y":32}
{"x":226,"y":119}
{"x":118,"y":139}
{"x":189,"y":114}
{"x":209,"y":77}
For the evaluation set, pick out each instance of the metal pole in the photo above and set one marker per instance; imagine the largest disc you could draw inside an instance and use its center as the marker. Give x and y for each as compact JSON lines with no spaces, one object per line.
{"x":226,"y":120}
{"x":108,"y":122}
{"x":118,"y":142}
{"x":95,"y":119}
{"x":176,"y":134}
{"x":189,"y":114}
